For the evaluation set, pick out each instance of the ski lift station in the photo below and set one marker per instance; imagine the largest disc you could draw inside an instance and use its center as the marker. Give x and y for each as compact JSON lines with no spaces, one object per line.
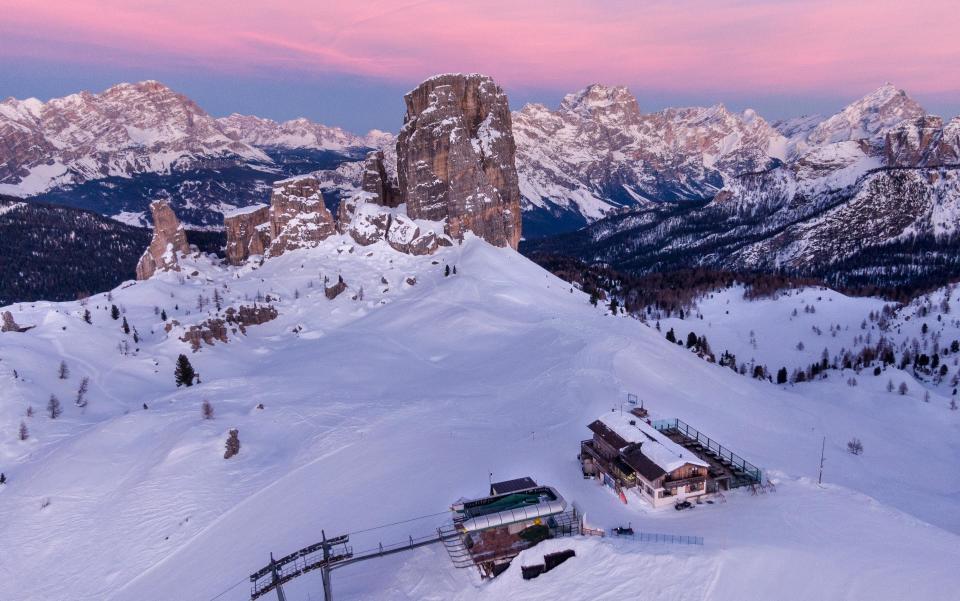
{"x":516,"y":515}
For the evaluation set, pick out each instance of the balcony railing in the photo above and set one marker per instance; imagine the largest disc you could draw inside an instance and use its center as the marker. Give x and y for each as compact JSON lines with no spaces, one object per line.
{"x":684,"y":481}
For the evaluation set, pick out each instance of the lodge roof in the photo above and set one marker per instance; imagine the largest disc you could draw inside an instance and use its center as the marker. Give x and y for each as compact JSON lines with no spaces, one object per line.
{"x":642,"y":464}
{"x":629,"y":430}
{"x":607,"y":435}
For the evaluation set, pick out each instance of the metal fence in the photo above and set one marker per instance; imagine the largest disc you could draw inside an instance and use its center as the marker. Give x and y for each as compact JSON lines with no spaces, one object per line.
{"x":674,"y":539}
{"x":748,"y":472}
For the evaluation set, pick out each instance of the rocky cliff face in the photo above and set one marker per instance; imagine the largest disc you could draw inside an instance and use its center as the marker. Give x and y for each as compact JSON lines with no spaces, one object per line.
{"x":298,"y":216}
{"x":378,"y":181}
{"x":169,"y":239}
{"x":456,"y":158}
{"x":248,"y":233}
{"x":923,"y":141}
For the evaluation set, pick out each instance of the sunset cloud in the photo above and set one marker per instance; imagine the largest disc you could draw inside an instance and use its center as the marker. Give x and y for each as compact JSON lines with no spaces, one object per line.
{"x":678,"y":45}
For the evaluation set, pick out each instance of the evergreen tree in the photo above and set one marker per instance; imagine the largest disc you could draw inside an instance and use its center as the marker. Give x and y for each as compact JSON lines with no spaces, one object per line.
{"x":23,"y":433}
{"x":63,"y":372}
{"x":207,"y":410}
{"x":691,"y":340}
{"x":594,"y":298}
{"x":613,"y":305}
{"x":446,"y":271}
{"x":114,"y":312}
{"x":126,"y":326}
{"x":163,"y":315}
{"x":903,"y":388}
{"x":782,"y":376}
{"x":81,"y":400}
{"x":671,"y":336}
{"x":86,"y":316}
{"x":184,"y":373}
{"x":233,"y":444}
{"x":454,"y":270}
{"x":53,"y":407}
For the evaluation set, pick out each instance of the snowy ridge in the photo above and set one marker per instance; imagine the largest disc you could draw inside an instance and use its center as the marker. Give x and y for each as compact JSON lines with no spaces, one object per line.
{"x":298,"y":133}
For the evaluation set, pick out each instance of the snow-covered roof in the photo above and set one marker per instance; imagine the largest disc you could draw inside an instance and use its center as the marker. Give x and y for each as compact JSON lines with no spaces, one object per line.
{"x":654,"y":445}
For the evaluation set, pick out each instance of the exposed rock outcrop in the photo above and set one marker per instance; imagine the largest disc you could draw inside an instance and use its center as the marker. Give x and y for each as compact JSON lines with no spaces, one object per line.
{"x":334,"y":291}
{"x":169,"y":238}
{"x":923,"y":142}
{"x":371,"y":223}
{"x":456,"y":158}
{"x":9,"y":325}
{"x":248,"y":232}
{"x":216,"y":329}
{"x":298,"y":217}
{"x":379,"y":182}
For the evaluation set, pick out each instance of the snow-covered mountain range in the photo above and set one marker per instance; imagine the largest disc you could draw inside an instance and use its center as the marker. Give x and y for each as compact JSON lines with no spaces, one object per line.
{"x":599,"y":152}
{"x":858,"y":197}
{"x":115,"y":151}
{"x":672,"y":188}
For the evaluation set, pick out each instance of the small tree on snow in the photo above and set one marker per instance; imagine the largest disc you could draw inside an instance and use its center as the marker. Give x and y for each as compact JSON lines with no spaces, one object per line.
{"x":855,"y":447}
{"x":902,"y":389}
{"x":232,"y":444}
{"x":63,"y":372}
{"x":114,"y":312}
{"x":86,"y":316}
{"x":953,"y":404}
{"x":125,"y":326}
{"x":206,"y":409}
{"x":81,"y":400}
{"x":889,"y":385}
{"x":53,"y":407}
{"x":184,"y":373}
{"x":23,"y":434}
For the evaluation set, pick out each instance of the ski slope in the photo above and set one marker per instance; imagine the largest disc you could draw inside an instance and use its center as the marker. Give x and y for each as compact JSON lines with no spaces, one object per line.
{"x":392,"y":407}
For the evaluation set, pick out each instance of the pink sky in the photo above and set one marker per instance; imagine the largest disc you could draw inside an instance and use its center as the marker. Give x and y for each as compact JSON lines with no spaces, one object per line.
{"x":815,"y":46}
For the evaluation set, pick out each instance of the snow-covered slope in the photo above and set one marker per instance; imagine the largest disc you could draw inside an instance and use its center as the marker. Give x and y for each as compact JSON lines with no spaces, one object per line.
{"x":391,"y":405}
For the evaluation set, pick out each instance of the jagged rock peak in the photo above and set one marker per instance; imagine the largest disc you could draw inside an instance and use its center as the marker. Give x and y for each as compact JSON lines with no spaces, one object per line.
{"x":298,"y":216}
{"x":169,"y":239}
{"x":248,"y":232}
{"x":867,"y":118}
{"x":598,"y":100}
{"x":456,"y":158}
